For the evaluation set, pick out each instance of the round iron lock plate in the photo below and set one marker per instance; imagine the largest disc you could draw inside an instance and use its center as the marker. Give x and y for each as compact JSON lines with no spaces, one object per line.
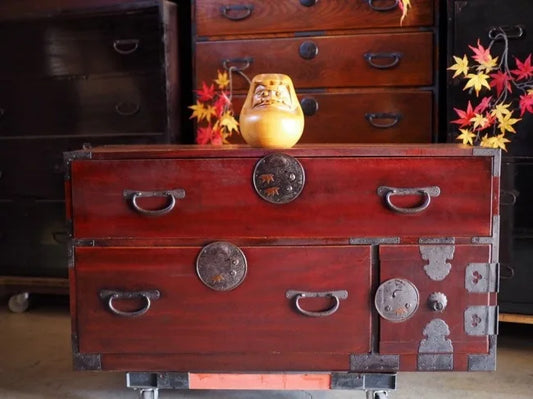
{"x":397,"y":300}
{"x":221,"y":266}
{"x":278,"y":178}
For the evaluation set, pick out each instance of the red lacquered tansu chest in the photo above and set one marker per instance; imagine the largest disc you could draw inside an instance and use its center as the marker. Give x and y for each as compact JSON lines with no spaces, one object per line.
{"x":339,"y":265}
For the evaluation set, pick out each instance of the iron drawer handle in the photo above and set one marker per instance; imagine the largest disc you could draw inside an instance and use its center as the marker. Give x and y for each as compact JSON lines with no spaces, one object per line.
{"x":374,"y":118}
{"x":126,"y":46}
{"x":511,"y":31}
{"x":508,"y":197}
{"x":242,"y":63}
{"x":111,"y":295}
{"x":510,"y":271}
{"x":427,"y":192}
{"x":336,"y":295}
{"x":126,"y":108}
{"x":237,"y":12}
{"x":394,"y":57}
{"x":171,"y":195}
{"x":385,"y":8}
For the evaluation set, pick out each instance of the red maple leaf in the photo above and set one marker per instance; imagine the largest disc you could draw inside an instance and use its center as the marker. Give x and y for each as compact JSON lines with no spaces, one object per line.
{"x":501,"y":81}
{"x":221,"y":104}
{"x":524,"y":69}
{"x":483,"y":105}
{"x":206,"y":93}
{"x":482,"y":55}
{"x":526,"y":103}
{"x":464,"y":116}
{"x":204,"y":135}
{"x":217,"y":138}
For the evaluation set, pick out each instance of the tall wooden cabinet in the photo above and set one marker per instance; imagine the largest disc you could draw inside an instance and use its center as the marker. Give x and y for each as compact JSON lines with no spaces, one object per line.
{"x":74,"y":73}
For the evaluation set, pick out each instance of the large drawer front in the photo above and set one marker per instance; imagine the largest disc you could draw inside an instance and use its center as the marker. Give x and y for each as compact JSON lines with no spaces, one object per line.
{"x":82,"y":45}
{"x":340,"y":198}
{"x":401,"y":59}
{"x":255,"y":317}
{"x":113,"y":104}
{"x":398,"y":116}
{"x":272,"y":16}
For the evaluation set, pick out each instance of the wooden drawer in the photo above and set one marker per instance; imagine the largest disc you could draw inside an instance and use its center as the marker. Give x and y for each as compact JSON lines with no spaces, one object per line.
{"x":82,"y":45}
{"x":133,"y":103}
{"x":400,"y":59}
{"x":341,"y":194}
{"x":214,"y":18}
{"x":390,"y":116}
{"x":255,"y":317}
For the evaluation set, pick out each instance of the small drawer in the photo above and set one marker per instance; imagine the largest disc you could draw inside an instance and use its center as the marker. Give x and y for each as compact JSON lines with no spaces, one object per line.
{"x":392,"y":116}
{"x":400,"y":59}
{"x":88,"y":45}
{"x":153,"y":300}
{"x":344,"y":197}
{"x":132,"y":103}
{"x":215,"y":18}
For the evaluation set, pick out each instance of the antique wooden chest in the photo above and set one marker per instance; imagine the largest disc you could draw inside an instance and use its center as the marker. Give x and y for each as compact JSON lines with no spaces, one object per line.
{"x":349,"y":260}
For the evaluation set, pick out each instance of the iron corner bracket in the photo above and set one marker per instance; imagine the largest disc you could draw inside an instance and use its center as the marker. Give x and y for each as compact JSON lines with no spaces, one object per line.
{"x":484,"y":362}
{"x":496,"y":158}
{"x":374,"y":363}
{"x":147,"y":380}
{"x":69,"y":156}
{"x":84,"y":361}
{"x":365,"y":381}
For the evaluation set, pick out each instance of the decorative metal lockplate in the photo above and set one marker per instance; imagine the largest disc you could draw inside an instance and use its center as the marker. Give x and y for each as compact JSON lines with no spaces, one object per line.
{"x":221,"y":266}
{"x":397,"y":299}
{"x":278,"y":178}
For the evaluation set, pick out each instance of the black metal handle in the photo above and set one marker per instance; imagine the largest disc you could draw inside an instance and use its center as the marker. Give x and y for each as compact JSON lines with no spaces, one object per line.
{"x":237,"y":12}
{"x":508,"y":197}
{"x":509,"y":271}
{"x":308,"y":50}
{"x":379,"y":119}
{"x":426,"y":192}
{"x":394,"y":58}
{"x":309,"y":106}
{"x":237,"y":64}
{"x":147,"y":296}
{"x":372,"y":4}
{"x":511,"y":31}
{"x":171,"y":195}
{"x":127,"y":108}
{"x":308,"y":3}
{"x":335,"y":295}
{"x":126,"y":46}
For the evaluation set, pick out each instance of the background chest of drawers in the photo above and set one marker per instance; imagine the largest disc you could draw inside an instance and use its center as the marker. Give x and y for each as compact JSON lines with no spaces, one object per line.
{"x":84,"y":72}
{"x":191,"y":259}
{"x":352,"y":63}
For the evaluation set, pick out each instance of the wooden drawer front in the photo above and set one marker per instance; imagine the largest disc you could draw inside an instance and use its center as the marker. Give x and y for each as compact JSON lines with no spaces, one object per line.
{"x":81,"y":46}
{"x":340,"y":198}
{"x":127,"y":103}
{"x":413,"y":263}
{"x":352,"y":60}
{"x":394,"y":116}
{"x":254,"y":317}
{"x":215,"y":18}
{"x":44,"y":177}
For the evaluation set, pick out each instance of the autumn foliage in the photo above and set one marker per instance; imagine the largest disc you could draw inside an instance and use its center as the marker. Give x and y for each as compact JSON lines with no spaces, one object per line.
{"x":215,"y":120}
{"x":503,"y":93}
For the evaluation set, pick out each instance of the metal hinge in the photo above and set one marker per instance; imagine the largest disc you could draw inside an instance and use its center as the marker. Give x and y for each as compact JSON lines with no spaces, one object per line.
{"x":482,"y":278}
{"x":481,"y":320}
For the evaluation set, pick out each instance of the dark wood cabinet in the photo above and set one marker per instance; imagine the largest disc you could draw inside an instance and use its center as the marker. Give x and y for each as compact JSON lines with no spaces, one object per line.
{"x":74,"y":74}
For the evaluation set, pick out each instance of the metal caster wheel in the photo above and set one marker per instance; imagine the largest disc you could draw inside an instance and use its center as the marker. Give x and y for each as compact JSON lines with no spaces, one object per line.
{"x":148,"y":394}
{"x":377,"y":395}
{"x":19,"y":303}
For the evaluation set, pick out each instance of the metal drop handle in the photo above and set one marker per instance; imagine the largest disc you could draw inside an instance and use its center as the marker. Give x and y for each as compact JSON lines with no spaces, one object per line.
{"x":335,"y":295}
{"x":125,"y":108}
{"x":426,"y":192}
{"x":147,"y":296}
{"x":511,"y":31}
{"x":375,"y":118}
{"x":126,"y":46}
{"x":383,"y":8}
{"x":171,"y":195}
{"x":237,"y":12}
{"x":237,"y":64}
{"x":394,"y":58}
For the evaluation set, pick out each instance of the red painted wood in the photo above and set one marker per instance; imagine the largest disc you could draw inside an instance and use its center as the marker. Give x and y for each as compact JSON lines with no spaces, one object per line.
{"x":270,"y":16}
{"x":269,"y":381}
{"x":256,"y":317}
{"x":340,"y":193}
{"x":405,"y":262}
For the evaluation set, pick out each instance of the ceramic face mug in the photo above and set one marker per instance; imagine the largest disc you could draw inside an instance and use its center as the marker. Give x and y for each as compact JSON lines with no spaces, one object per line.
{"x":271,"y":116}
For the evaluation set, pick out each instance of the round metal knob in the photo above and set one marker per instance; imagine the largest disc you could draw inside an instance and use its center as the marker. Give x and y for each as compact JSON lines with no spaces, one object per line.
{"x":309,"y":106}
{"x":308,"y":50}
{"x":308,"y":3}
{"x":396,"y":300}
{"x":221,"y":266}
{"x":437,"y":302}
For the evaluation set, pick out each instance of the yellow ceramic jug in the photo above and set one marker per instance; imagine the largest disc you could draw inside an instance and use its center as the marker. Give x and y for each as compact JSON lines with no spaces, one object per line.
{"x":271,"y":116}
